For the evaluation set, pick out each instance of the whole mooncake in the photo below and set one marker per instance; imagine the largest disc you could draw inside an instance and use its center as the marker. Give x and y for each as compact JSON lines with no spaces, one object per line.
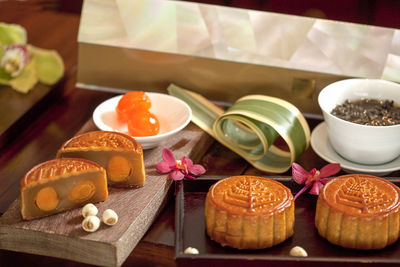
{"x":61,"y":184}
{"x":359,"y":211}
{"x":120,"y":154}
{"x":249,"y":212}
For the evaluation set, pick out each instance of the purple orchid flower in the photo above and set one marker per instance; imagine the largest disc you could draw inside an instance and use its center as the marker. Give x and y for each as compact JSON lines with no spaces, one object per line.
{"x":313,"y":178}
{"x":178,"y":168}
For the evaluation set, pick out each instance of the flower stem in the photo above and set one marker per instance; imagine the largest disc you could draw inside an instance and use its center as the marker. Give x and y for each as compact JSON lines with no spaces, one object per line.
{"x":302,"y":190}
{"x":190,"y":177}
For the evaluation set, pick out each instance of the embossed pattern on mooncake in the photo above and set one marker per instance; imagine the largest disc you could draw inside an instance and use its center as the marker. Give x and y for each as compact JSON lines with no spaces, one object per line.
{"x":361,"y":195}
{"x":250,"y":195}
{"x":54,"y":169}
{"x":102,"y":140}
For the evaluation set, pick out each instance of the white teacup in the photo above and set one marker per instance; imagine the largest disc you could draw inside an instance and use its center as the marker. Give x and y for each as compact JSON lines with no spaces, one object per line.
{"x":362,"y":144}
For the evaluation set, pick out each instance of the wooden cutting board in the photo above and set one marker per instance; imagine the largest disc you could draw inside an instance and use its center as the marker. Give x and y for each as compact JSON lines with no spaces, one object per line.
{"x":61,"y":235}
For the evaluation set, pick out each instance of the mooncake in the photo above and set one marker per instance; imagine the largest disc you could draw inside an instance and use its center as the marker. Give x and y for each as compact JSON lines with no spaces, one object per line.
{"x":61,"y":184}
{"x":359,"y":211}
{"x":249,"y":212}
{"x":120,"y":154}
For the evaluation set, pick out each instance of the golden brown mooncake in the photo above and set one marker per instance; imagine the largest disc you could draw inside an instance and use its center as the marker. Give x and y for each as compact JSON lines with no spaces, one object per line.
{"x":61,"y":184}
{"x":359,"y":211}
{"x":120,"y":154}
{"x":249,"y":212}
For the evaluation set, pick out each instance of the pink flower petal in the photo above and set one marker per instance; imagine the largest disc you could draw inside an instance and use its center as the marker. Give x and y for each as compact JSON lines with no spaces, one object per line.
{"x":313,"y":178}
{"x":329,"y":170}
{"x":176,"y":175}
{"x":196,"y":169}
{"x":163,"y":167}
{"x":186,"y":161}
{"x":168,"y":157}
{"x":299,"y":174}
{"x":316,"y":187}
{"x":180,"y":168}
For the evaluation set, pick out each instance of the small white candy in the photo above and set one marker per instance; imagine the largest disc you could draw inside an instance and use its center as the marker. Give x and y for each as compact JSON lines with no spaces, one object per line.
{"x":89,"y":210}
{"x":110,"y":217}
{"x":190,"y":250}
{"x":298,"y":252}
{"x":91,"y":223}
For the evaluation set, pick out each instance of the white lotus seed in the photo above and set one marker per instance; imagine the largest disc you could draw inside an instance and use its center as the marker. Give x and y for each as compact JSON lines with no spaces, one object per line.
{"x":298,"y":251}
{"x":190,"y":250}
{"x":110,"y":217}
{"x":91,"y":223}
{"x":89,"y":210}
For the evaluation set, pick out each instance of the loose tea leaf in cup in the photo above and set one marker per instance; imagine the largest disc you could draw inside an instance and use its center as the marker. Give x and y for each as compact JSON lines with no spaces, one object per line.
{"x":366,"y":111}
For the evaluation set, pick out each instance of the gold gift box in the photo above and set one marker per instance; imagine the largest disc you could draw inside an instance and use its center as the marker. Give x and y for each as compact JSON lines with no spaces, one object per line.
{"x":225,"y":53}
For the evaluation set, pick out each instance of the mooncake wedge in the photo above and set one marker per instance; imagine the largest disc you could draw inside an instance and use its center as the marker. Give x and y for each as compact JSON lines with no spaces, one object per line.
{"x":61,"y":184}
{"x":120,"y":154}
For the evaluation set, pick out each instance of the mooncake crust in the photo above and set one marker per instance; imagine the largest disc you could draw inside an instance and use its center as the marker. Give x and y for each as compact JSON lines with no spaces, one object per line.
{"x":359,"y":211}
{"x":102,"y":140}
{"x":249,"y":212}
{"x":56,"y":168}
{"x":361,"y":195}
{"x":118,"y":153}
{"x":265,"y":196}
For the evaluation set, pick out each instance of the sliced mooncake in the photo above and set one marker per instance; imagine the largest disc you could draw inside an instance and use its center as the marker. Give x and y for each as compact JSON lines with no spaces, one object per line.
{"x":120,"y":154}
{"x":61,"y":184}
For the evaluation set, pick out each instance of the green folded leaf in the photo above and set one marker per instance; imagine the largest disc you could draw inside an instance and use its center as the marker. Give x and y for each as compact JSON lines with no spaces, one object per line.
{"x":204,"y":113}
{"x":251,"y":126}
{"x":24,"y":82}
{"x":12,"y":33}
{"x":49,"y":65}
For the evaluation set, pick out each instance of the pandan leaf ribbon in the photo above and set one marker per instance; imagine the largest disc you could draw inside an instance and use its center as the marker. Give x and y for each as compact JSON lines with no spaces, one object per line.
{"x":251,"y":126}
{"x":23,"y":65}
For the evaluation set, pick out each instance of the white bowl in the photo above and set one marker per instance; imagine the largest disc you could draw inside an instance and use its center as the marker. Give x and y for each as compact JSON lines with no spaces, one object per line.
{"x":361,"y":143}
{"x":172,"y":113}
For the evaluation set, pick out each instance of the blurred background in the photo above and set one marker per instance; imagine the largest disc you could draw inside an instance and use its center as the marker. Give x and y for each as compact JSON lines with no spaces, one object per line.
{"x":373,"y":12}
{"x":384,"y":13}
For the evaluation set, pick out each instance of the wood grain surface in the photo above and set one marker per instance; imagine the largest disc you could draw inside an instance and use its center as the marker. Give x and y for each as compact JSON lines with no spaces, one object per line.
{"x":61,"y":235}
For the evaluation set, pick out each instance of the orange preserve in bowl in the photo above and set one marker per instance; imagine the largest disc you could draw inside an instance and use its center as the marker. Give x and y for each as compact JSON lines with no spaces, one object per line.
{"x":134,"y":109}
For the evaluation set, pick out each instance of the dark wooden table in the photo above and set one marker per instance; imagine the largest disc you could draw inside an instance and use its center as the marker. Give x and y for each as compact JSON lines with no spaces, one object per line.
{"x":43,"y":121}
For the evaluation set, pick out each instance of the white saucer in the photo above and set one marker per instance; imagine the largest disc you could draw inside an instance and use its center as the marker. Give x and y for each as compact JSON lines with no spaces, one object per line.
{"x":321,"y":145}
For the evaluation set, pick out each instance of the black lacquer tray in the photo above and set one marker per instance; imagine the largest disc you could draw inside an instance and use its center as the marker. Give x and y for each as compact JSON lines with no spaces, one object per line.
{"x":190,"y":232}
